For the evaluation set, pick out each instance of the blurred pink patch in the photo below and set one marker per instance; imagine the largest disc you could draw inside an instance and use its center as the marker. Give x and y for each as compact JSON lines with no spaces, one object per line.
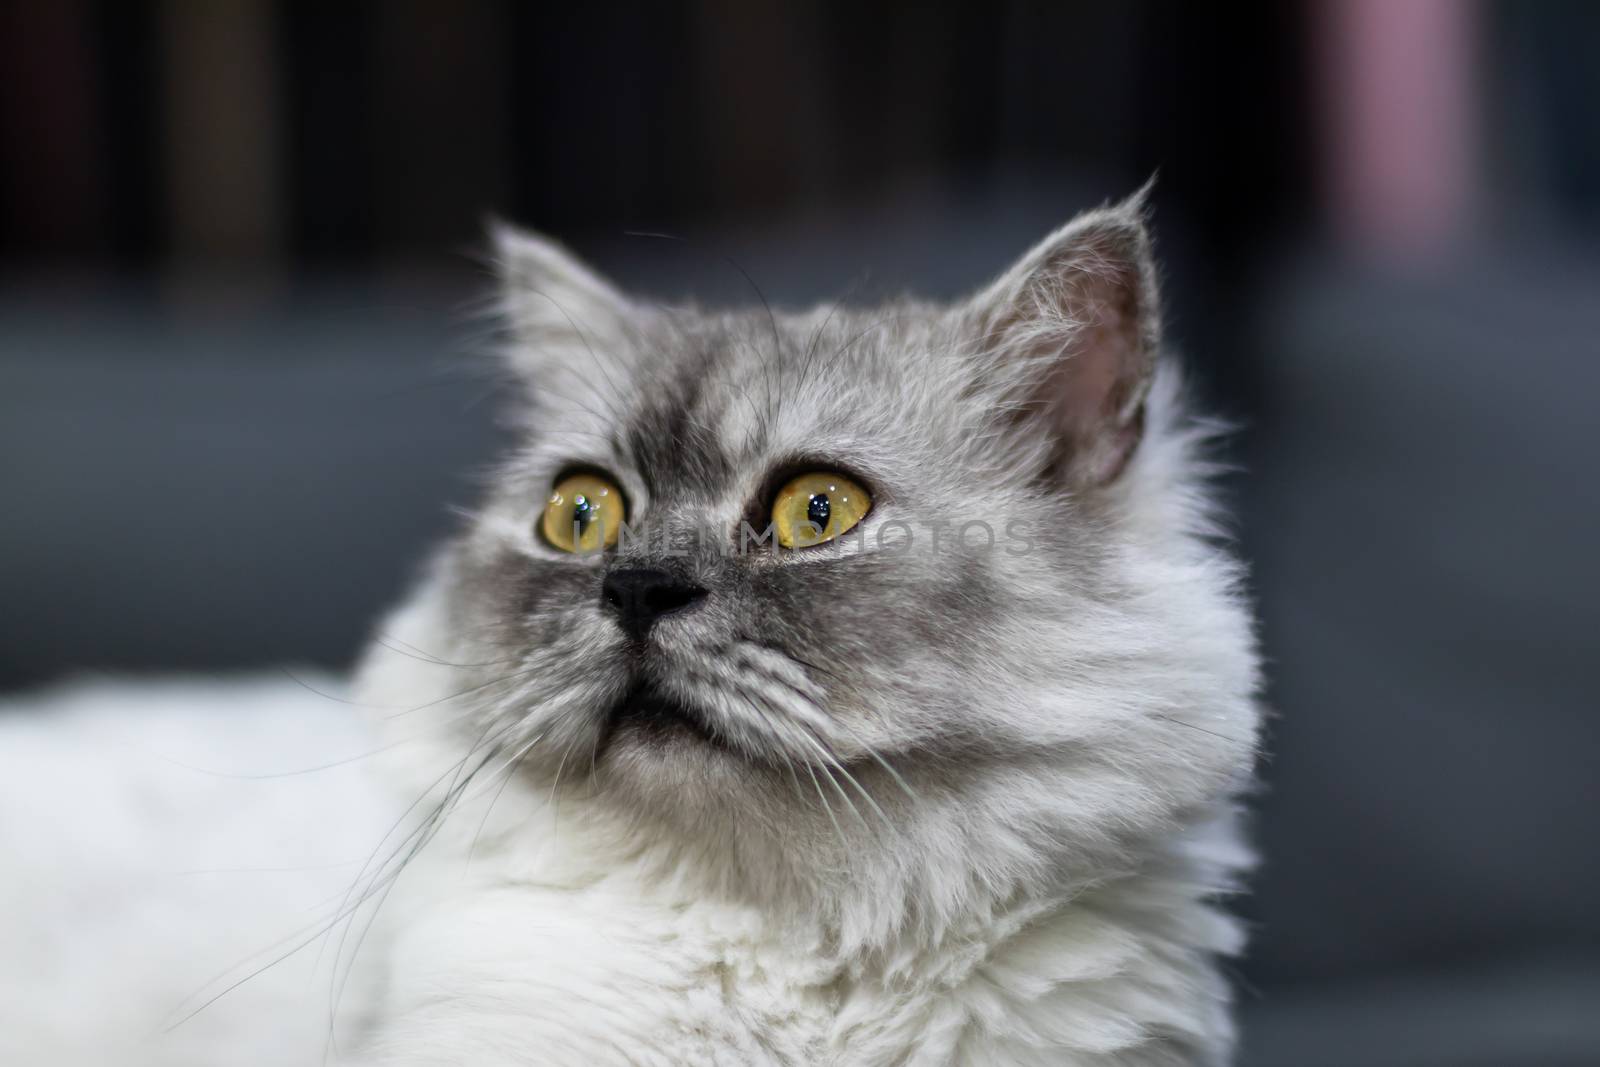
{"x":1399,"y":100}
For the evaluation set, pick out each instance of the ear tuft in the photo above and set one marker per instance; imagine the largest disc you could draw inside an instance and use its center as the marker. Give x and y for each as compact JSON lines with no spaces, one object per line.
{"x":1076,"y":325}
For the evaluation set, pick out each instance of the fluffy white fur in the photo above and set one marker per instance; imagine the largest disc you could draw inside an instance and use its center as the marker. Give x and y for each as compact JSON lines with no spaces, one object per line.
{"x":155,"y":849}
{"x":1027,"y":870}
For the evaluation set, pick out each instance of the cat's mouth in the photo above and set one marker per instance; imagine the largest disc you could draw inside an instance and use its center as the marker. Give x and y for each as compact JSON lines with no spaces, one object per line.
{"x":652,"y":714}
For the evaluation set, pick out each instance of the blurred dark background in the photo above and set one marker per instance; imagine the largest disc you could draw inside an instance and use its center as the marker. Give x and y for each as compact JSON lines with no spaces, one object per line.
{"x":240,"y":383}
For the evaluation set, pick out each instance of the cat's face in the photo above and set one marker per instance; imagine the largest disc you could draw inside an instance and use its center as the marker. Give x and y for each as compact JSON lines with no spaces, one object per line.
{"x":1016,"y":630}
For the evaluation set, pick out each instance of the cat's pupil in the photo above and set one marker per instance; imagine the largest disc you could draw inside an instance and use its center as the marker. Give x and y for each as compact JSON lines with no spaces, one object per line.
{"x":818,"y":510}
{"x":582,"y":513}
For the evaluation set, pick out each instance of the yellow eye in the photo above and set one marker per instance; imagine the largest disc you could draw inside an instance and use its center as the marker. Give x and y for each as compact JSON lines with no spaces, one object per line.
{"x":584,"y":513}
{"x":817,"y":507}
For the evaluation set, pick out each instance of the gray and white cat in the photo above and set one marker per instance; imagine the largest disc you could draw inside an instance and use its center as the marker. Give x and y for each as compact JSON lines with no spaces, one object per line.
{"x":853,"y":686}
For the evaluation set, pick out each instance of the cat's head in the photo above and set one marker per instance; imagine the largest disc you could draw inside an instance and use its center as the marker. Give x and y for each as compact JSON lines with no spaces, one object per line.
{"x":1013,"y":642}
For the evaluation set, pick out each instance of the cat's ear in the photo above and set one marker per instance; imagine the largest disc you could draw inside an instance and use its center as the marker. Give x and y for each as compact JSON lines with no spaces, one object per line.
{"x":1072,"y":332}
{"x":559,"y":311}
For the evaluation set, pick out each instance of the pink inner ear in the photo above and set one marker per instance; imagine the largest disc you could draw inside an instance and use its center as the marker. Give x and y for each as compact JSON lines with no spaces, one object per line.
{"x":1091,"y":390}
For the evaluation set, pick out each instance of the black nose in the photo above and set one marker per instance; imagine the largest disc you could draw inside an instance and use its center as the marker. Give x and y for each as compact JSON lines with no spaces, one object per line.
{"x":640,"y":596}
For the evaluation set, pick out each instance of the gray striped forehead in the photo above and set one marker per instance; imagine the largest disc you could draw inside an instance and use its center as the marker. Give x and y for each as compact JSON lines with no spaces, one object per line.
{"x":713,"y":397}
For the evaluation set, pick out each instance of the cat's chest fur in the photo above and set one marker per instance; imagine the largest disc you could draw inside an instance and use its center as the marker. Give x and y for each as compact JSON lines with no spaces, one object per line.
{"x":489,"y":962}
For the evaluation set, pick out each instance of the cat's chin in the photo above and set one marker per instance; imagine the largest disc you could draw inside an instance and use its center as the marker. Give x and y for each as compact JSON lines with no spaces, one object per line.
{"x":644,"y":716}
{"x":663,"y":752}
